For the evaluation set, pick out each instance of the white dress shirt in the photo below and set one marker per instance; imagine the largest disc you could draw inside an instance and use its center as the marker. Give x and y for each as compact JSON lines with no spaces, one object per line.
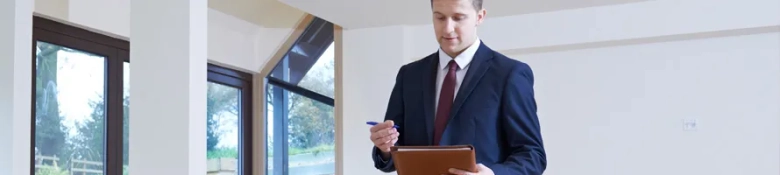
{"x":463,"y":60}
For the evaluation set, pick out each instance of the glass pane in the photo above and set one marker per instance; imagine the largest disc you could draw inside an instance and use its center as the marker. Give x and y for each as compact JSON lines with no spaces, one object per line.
{"x":303,"y":131}
{"x":69,"y":111}
{"x":271,"y":167}
{"x":222,"y":129}
{"x":320,"y":77}
{"x":126,"y":120}
{"x":311,"y":137}
{"x":309,"y":63}
{"x":314,"y":74}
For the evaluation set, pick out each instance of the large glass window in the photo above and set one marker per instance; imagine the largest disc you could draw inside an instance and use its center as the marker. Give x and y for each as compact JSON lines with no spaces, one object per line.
{"x":69,"y":109}
{"x":81,"y":106}
{"x":300,"y":119}
{"x":77,"y":101}
{"x":228,"y":120}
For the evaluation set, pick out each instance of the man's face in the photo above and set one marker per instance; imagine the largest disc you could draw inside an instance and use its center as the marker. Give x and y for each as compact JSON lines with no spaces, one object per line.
{"x":455,"y":23}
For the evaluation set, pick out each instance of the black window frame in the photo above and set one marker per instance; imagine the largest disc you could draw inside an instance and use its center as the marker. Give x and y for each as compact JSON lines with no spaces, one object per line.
{"x":242,"y":81}
{"x":319,"y":34}
{"x":117,"y":52}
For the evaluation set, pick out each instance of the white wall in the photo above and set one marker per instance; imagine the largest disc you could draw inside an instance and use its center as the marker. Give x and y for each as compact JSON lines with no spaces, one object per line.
{"x":15,"y":91}
{"x":592,"y":123}
{"x":613,"y":23}
{"x":620,"y":110}
{"x":370,"y":63}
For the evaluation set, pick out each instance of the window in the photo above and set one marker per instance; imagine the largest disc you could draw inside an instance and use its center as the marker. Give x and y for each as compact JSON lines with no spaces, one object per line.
{"x":77,"y":101}
{"x":81,"y":106}
{"x":125,"y":117}
{"x":229,"y":121}
{"x":300,"y":118}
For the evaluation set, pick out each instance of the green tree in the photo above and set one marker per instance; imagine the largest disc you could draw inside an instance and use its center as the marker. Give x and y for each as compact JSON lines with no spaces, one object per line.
{"x":88,"y":143}
{"x":126,"y":129}
{"x":50,"y":134}
{"x":311,"y":122}
{"x":220,"y":98}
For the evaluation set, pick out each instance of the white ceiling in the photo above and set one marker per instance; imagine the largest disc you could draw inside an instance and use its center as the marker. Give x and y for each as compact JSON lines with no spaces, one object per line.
{"x":266,"y":13}
{"x":378,"y":13}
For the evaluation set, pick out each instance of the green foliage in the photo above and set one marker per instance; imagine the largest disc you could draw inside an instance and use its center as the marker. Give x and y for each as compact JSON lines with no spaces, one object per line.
{"x":50,"y":134}
{"x":311,"y":122}
{"x":220,"y":98}
{"x":88,"y":143}
{"x":51,"y":171}
{"x":126,"y":130}
{"x":222,"y":153}
{"x":314,"y":150}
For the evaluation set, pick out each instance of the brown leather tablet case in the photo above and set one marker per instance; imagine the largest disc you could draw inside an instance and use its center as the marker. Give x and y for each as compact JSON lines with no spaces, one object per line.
{"x":433,"y":160}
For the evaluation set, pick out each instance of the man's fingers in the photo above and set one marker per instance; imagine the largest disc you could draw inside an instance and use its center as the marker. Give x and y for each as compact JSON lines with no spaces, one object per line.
{"x":383,"y":133}
{"x":459,"y":172}
{"x":377,"y":127}
{"x":391,"y":138}
{"x":386,"y":146}
{"x":386,"y":142}
{"x":381,"y":126}
{"x":481,"y":167}
{"x":386,"y":138}
{"x":389,"y":123}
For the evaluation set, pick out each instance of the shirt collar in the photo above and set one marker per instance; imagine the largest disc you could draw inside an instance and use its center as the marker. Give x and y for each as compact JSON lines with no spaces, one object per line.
{"x":463,"y":59}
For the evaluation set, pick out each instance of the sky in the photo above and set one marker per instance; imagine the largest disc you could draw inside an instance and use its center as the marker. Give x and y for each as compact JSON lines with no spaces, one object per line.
{"x":80,"y":79}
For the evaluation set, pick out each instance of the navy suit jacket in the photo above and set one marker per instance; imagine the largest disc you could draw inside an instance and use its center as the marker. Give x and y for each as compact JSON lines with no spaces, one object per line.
{"x":494,"y":111}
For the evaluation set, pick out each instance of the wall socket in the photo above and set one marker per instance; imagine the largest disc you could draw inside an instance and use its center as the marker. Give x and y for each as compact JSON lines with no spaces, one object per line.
{"x":690,"y":125}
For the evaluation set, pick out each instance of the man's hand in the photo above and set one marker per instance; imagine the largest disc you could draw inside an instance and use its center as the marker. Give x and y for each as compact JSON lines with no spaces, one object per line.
{"x":384,"y":136}
{"x":481,"y":170}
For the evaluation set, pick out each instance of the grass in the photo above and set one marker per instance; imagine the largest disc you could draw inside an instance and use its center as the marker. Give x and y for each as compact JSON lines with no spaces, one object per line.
{"x":315,"y":150}
{"x":233,"y":152}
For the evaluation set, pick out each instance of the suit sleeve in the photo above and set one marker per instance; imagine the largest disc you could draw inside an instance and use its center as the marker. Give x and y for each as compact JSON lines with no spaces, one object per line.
{"x":395,"y":112}
{"x":521,"y":126}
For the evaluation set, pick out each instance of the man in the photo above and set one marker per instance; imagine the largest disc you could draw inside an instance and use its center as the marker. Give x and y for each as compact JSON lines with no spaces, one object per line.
{"x":465,"y":93}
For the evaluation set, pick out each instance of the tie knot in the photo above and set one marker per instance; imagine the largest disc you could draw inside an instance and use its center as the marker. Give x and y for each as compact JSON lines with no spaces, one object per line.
{"x":453,"y":65}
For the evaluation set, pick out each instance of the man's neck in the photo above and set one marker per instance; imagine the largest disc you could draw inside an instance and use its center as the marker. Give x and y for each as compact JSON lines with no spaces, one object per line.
{"x":455,"y":54}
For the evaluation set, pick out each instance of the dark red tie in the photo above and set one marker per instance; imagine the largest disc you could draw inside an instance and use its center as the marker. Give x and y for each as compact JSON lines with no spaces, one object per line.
{"x":446,"y":97}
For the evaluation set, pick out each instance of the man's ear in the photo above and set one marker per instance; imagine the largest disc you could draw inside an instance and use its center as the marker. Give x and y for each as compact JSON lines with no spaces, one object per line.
{"x":481,"y":16}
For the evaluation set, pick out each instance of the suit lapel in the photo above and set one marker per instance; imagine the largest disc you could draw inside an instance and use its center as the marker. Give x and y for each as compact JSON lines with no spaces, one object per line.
{"x":479,"y":65}
{"x":429,"y":94}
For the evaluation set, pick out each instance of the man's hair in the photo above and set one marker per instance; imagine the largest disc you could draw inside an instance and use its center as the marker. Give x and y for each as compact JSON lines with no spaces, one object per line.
{"x":476,"y":3}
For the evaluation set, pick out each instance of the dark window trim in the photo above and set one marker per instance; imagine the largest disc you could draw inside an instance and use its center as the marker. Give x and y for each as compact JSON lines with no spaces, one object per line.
{"x":75,"y":32}
{"x":316,"y":31}
{"x":306,"y":51}
{"x":301,"y":91}
{"x":116,"y":52}
{"x":242,"y":81}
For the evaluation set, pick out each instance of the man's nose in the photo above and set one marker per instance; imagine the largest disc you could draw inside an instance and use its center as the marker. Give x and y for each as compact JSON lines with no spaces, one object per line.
{"x":449,"y":26}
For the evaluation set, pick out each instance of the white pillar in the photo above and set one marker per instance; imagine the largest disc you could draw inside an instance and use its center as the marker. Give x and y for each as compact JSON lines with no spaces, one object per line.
{"x":15,"y":85}
{"x":168,"y":87}
{"x":366,"y":84}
